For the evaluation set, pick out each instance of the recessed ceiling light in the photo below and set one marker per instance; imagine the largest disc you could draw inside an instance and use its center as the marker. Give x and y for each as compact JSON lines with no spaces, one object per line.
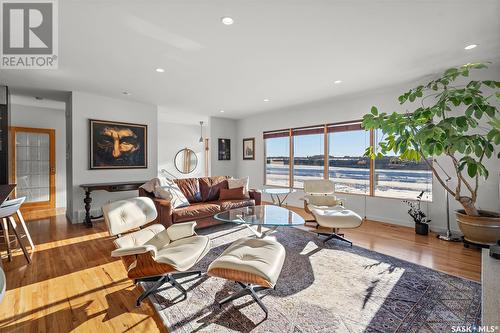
{"x":126,"y":93}
{"x":337,"y":82}
{"x":226,"y":20}
{"x":160,"y":70}
{"x":266,"y":100}
{"x":221,"y":111}
{"x":470,"y":47}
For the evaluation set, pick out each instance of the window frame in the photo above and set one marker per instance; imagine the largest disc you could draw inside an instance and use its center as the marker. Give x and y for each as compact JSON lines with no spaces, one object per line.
{"x":328,"y":128}
{"x":290,"y":162}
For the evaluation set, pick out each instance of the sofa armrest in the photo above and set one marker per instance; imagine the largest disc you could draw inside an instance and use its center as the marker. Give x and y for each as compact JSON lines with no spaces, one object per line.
{"x":255,"y":195}
{"x":181,"y":230}
{"x":127,"y":251}
{"x":163,"y":208}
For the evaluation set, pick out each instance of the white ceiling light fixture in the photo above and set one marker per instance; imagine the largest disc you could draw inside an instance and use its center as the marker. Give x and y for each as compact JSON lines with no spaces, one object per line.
{"x":159,"y":70}
{"x":221,"y":111}
{"x":226,"y":20}
{"x":338,"y":82}
{"x":267,"y":100}
{"x":470,"y":47}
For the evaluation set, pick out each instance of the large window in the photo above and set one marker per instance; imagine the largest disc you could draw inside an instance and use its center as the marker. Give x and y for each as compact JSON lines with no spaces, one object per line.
{"x":308,"y":155}
{"x":348,"y":168}
{"x":294,"y":155}
{"x":396,"y":178}
{"x":278,"y":160}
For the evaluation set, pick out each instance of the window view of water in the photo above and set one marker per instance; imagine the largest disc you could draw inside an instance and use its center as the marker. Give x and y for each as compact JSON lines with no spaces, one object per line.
{"x":348,"y":167}
{"x":404,"y":184}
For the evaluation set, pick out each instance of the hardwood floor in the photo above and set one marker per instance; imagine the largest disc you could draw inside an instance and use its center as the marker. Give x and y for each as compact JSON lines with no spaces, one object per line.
{"x":402,"y":242}
{"x":74,"y":285}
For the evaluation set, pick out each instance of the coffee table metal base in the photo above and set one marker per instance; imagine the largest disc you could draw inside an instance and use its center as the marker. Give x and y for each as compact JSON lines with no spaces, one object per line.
{"x":259,"y":233}
{"x":277,"y":200}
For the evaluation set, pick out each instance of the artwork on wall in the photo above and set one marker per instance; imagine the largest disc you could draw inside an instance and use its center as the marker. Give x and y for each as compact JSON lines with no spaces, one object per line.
{"x":224,"y":149}
{"x":249,"y":149}
{"x":116,"y":145}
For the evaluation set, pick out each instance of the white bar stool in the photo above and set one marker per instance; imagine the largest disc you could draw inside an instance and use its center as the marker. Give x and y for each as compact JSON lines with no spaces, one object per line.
{"x":7,"y":211}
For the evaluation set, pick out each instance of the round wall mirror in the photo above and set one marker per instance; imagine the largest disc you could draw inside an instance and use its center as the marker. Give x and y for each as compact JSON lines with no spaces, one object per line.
{"x":185,"y":161}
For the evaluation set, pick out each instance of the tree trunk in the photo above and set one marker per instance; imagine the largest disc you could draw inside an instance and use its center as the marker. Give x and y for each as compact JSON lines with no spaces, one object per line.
{"x":468,"y":205}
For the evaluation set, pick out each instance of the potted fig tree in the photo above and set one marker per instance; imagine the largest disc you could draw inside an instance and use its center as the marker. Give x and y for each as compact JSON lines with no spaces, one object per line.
{"x":458,"y":122}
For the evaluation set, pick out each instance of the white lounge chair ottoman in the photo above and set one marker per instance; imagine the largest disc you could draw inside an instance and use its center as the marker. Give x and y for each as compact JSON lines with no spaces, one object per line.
{"x":254,"y":263}
{"x":336,"y":219}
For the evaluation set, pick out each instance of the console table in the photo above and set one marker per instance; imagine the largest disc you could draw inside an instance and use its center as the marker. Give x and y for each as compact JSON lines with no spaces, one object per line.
{"x":109,"y":187}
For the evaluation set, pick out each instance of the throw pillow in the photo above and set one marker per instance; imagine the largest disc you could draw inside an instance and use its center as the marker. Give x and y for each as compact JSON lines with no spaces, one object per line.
{"x":232,"y":194}
{"x":171,"y":191}
{"x":211,"y":186}
{"x":242,"y":182}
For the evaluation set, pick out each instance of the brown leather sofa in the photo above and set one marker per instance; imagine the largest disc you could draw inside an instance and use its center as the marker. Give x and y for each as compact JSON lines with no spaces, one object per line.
{"x":204,"y":203}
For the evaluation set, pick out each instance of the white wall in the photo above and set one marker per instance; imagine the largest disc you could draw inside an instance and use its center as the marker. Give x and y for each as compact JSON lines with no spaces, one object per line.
{"x":50,"y":118}
{"x":177,"y":131}
{"x":348,"y":108}
{"x":223,"y":128}
{"x":89,"y":106}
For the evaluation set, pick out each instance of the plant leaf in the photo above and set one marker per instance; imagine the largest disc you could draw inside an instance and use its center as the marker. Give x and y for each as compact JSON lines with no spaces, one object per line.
{"x":472,"y":169}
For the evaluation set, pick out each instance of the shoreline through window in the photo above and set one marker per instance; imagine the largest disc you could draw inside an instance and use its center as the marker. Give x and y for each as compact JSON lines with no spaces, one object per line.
{"x":335,"y":151}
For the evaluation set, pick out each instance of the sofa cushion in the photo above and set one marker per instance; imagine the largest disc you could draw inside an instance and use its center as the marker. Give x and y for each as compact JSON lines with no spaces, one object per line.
{"x":191,"y":189}
{"x":232,"y":194}
{"x":195,"y":211}
{"x":210,"y":187}
{"x":231,"y":204}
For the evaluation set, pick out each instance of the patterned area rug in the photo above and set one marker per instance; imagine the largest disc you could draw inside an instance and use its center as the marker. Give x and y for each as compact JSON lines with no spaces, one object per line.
{"x":324,"y":288}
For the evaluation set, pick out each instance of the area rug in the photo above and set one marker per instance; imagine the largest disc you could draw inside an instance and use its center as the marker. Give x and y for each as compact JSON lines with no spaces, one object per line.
{"x":324,"y":288}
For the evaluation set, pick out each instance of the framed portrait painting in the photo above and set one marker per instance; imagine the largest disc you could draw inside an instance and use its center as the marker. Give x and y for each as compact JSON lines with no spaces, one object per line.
{"x":117,"y":145}
{"x":224,"y":146}
{"x":249,"y":149}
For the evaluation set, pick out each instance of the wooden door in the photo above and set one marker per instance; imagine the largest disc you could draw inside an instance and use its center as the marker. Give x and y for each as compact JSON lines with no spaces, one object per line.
{"x":33,"y":166}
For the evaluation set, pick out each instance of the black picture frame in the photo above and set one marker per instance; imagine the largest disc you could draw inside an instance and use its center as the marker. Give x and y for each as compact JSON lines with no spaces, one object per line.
{"x":249,"y":148}
{"x":224,"y":149}
{"x":106,"y":153}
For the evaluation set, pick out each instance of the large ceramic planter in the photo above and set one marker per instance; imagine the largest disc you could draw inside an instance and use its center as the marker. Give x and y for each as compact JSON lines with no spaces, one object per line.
{"x":484,"y":229}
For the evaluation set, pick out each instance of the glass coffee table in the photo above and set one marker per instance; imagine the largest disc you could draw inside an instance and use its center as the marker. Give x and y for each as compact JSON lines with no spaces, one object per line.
{"x":278,"y":195}
{"x":268,"y":216}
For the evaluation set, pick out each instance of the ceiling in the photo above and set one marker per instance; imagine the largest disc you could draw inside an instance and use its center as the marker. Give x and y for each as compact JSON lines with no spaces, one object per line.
{"x":290,"y":51}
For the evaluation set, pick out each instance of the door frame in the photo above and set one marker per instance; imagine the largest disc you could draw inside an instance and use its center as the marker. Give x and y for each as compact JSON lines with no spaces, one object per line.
{"x":51,"y":203}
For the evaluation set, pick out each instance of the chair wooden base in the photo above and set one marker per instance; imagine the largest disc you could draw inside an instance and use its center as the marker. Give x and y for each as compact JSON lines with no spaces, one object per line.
{"x":161,"y":280}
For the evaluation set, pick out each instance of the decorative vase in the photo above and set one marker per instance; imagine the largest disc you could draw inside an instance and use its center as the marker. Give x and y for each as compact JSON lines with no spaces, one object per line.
{"x":483,"y":229}
{"x":422,"y":229}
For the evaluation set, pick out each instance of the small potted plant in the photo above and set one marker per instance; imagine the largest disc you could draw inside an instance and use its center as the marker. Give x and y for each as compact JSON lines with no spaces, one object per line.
{"x":419,"y":217}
